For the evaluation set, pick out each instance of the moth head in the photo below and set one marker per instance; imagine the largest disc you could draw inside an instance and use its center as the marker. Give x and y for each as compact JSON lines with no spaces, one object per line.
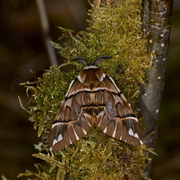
{"x":82,"y":60}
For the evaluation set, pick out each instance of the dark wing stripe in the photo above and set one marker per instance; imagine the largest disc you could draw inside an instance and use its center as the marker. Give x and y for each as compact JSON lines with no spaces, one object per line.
{"x":91,"y":92}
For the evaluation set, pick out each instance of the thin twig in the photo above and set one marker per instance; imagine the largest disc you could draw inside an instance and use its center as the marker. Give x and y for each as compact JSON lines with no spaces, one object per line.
{"x":46,"y":32}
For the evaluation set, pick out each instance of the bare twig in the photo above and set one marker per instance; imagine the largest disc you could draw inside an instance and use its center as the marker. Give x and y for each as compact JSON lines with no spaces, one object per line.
{"x":45,"y":30}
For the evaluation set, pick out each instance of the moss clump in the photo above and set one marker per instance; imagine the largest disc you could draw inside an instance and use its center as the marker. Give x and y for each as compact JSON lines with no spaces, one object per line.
{"x":116,"y":31}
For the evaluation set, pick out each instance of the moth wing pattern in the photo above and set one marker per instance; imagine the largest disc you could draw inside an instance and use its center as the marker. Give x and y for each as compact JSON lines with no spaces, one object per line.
{"x":94,"y":98}
{"x":117,"y":118}
{"x":71,"y":122}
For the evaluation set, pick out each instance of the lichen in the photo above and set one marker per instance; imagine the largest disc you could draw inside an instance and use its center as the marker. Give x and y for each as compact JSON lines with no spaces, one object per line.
{"x":116,"y":31}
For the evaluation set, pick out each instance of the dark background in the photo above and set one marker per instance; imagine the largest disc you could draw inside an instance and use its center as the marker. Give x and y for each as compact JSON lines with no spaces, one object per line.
{"x":22,"y":48}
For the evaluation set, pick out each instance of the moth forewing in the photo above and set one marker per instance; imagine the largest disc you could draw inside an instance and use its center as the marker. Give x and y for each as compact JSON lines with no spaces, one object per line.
{"x":94,"y":98}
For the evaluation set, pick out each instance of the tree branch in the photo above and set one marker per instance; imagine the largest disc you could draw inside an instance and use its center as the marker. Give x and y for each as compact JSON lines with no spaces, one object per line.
{"x":157,"y":17}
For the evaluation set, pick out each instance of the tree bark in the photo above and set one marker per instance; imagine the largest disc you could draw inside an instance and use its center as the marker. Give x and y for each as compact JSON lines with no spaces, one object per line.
{"x":157,"y":18}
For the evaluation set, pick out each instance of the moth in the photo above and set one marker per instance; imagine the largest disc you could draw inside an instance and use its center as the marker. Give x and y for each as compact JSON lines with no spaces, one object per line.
{"x":94,"y":99}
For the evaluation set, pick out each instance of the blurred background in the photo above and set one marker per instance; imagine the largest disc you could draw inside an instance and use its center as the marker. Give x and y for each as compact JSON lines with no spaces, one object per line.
{"x":22,"y":48}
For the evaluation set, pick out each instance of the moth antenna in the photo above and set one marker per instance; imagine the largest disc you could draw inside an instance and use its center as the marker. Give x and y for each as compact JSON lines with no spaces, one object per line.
{"x":101,"y":58}
{"x":80,"y":59}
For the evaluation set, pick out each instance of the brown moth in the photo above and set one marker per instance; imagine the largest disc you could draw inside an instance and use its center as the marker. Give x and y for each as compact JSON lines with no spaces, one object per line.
{"x":94,"y":98}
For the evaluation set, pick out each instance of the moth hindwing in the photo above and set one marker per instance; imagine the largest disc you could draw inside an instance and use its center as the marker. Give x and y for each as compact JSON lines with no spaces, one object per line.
{"x":94,"y":98}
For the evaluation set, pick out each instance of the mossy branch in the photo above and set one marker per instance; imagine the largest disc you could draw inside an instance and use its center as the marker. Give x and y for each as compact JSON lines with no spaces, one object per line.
{"x":115,"y":31}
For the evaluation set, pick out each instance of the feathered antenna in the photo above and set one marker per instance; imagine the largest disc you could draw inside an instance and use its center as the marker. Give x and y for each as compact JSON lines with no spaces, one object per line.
{"x":101,"y":58}
{"x":80,"y":59}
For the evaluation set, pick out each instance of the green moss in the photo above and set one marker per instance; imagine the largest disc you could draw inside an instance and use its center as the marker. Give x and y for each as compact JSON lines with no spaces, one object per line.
{"x":115,"y":31}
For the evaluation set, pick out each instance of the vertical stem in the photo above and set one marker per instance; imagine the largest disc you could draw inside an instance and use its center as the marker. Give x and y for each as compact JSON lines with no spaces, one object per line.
{"x":45,"y":30}
{"x":157,"y":17}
